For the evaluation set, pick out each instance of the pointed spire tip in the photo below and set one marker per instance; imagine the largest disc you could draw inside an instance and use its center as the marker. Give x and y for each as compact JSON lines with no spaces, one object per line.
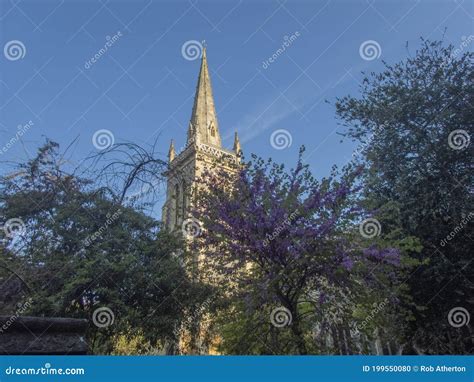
{"x":203,"y":126}
{"x":237,"y":147}
{"x":172,"y":151}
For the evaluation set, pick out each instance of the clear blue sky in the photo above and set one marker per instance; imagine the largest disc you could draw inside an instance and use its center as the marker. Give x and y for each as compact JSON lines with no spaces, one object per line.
{"x":142,"y":87}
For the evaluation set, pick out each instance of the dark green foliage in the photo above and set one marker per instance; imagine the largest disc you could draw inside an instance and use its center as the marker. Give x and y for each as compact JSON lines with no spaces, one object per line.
{"x":420,"y":180}
{"x":80,"y":250}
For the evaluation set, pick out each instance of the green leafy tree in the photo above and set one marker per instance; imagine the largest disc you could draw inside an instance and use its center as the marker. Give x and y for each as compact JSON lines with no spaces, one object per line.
{"x":76,"y":250}
{"x":414,"y":122}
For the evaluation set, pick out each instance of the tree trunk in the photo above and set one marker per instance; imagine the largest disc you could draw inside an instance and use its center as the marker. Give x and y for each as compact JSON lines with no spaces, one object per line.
{"x":297,"y":332}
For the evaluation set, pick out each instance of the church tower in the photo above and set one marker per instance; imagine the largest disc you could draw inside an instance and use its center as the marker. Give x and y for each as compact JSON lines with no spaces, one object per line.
{"x":203,"y":148}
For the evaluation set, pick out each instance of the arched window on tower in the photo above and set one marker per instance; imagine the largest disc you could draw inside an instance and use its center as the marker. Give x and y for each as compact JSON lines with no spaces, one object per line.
{"x":213,"y":130}
{"x":177,"y":198}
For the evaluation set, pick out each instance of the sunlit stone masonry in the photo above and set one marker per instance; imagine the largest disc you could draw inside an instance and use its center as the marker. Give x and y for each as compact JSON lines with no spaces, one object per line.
{"x":203,"y":149}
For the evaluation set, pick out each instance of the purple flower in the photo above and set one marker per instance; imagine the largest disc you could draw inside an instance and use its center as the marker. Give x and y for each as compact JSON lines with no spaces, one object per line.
{"x":347,"y":262}
{"x":387,"y":255}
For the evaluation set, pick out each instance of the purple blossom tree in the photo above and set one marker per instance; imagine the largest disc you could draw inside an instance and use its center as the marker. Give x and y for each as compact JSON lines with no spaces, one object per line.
{"x":276,"y":237}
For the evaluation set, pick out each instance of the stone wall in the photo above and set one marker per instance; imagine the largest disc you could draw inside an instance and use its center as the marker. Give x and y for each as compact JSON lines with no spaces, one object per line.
{"x":41,"y":335}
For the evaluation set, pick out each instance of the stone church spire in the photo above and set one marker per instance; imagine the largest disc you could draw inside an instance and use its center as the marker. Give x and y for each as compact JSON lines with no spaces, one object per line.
{"x":237,"y":148}
{"x":171,"y":152}
{"x":203,"y":126}
{"x":203,"y":151}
